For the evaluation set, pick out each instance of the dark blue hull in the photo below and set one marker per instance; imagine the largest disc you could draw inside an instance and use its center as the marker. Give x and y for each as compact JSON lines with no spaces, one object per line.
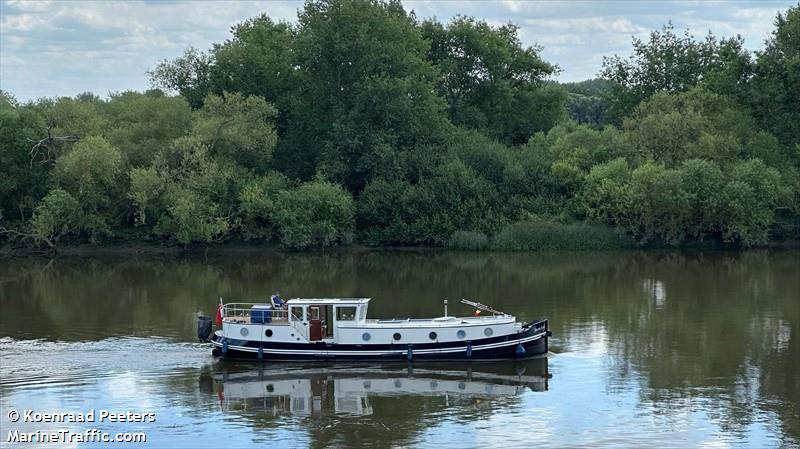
{"x":531,"y":342}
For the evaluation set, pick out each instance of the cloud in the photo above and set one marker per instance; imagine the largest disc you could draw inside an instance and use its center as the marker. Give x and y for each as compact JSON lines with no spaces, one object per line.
{"x":588,"y":25}
{"x":50,"y":48}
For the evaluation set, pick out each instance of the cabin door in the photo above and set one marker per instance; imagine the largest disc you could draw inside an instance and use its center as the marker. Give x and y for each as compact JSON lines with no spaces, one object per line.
{"x":314,"y":323}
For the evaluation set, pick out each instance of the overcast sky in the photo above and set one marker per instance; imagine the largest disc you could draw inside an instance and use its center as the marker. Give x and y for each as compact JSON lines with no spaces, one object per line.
{"x":54,"y":48}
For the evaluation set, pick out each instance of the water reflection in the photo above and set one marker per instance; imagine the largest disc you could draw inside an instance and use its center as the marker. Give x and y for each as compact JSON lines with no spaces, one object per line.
{"x":313,"y":390}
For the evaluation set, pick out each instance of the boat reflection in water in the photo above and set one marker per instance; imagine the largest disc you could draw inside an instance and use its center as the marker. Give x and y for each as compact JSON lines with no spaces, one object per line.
{"x":351,"y":389}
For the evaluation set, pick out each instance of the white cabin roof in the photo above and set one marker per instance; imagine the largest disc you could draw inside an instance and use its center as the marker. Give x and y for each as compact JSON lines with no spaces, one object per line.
{"x":334,"y":301}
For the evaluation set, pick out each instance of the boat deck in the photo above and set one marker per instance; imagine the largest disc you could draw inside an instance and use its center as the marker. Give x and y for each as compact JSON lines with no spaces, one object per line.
{"x":449,"y":321}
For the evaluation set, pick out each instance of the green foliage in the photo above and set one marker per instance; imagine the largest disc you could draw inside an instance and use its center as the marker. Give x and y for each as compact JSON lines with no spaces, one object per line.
{"x":656,"y":204}
{"x":237,"y":128}
{"x":491,"y":82}
{"x":257,"y":204}
{"x":318,"y":213}
{"x":358,"y":119}
{"x":748,"y":202}
{"x":23,"y":181}
{"x":58,"y":214}
{"x":89,"y":171}
{"x":369,"y":86}
{"x":694,"y":124}
{"x":191,"y":218}
{"x":774,"y":87}
{"x":669,"y":62}
{"x":146,"y":188}
{"x":140,"y":125}
{"x":453,"y":198}
{"x":689,"y":203}
{"x":188,"y":74}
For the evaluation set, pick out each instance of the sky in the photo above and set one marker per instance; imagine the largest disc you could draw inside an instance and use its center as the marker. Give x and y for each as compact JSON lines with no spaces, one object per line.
{"x":62,"y":48}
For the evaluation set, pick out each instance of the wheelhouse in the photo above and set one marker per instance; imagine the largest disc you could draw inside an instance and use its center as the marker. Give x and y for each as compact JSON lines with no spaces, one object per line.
{"x":323,"y":315}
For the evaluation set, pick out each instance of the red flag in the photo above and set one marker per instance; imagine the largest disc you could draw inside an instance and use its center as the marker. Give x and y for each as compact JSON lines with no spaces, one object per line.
{"x":218,"y":318}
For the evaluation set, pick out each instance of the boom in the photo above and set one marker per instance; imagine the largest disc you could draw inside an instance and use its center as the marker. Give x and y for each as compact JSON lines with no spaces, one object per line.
{"x":483,"y":307}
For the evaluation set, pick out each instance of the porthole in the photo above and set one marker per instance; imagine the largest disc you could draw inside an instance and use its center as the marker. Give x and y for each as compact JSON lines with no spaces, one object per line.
{"x":270,"y":388}
{"x":397,"y":336}
{"x":461,"y":334}
{"x":432,"y":335}
{"x":268,"y":333}
{"x":366,"y":336}
{"x":244,"y":332}
{"x":488,"y":332}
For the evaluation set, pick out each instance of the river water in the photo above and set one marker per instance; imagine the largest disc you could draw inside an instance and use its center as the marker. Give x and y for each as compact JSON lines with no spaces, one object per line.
{"x":649,"y":349}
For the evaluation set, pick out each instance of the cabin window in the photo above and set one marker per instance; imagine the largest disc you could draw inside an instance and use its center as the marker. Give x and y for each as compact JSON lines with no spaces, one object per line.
{"x":362,"y":312}
{"x":488,"y":332}
{"x":297,"y":314}
{"x":268,"y":333}
{"x":432,"y":336}
{"x":345,"y":313}
{"x":461,"y":334}
{"x":366,"y":336}
{"x":397,"y":336}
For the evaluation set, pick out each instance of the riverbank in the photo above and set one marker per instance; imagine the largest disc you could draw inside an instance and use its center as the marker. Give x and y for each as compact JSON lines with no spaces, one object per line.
{"x":239,"y":247}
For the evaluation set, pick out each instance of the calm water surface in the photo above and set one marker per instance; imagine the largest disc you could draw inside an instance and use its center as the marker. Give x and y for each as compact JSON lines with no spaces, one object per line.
{"x":649,"y":349}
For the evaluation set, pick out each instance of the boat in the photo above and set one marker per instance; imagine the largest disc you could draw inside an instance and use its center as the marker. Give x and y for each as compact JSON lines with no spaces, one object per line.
{"x":338,"y":329}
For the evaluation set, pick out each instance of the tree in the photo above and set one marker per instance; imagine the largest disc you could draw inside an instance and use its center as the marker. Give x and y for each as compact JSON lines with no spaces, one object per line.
{"x":257,"y":205}
{"x":58,"y":214}
{"x":24,"y":181}
{"x":141,"y":124}
{"x":318,"y":213}
{"x":89,"y":170}
{"x":258,"y":60}
{"x":237,"y":128}
{"x":773,"y":93}
{"x":657,"y":205}
{"x":491,"y":82}
{"x":668,"y":62}
{"x":670,"y":128}
{"x":191,"y":218}
{"x":749,"y":200}
{"x":703,"y":182}
{"x":147,"y":186}
{"x":369,"y":86}
{"x":189,"y":75}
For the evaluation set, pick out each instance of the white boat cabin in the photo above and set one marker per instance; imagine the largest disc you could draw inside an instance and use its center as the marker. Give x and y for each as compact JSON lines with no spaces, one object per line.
{"x":344,"y":321}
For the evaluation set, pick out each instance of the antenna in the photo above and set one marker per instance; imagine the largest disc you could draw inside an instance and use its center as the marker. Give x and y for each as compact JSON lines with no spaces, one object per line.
{"x":445,"y":307}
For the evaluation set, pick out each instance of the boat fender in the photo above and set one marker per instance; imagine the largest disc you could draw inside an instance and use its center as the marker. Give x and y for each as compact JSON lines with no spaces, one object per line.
{"x":520,"y":351}
{"x":469,"y":349}
{"x":549,"y":333}
{"x":260,"y":353}
{"x":224,"y":345}
{"x":216,"y":352}
{"x":410,"y":353}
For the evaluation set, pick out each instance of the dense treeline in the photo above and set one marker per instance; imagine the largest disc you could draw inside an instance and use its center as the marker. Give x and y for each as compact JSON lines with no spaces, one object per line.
{"x":361,"y":122}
